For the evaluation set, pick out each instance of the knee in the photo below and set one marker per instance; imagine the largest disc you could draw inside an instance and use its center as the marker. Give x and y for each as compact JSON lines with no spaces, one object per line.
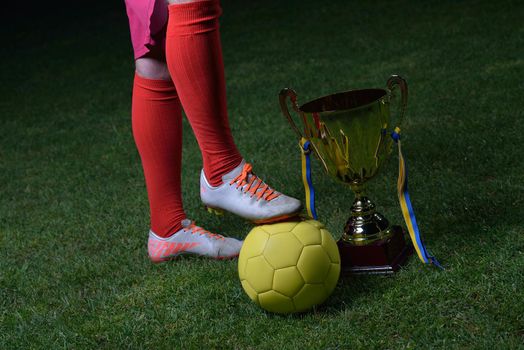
{"x":152,"y":68}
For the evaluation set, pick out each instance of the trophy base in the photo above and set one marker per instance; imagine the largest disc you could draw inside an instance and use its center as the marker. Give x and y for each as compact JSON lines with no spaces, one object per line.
{"x":380,"y":257}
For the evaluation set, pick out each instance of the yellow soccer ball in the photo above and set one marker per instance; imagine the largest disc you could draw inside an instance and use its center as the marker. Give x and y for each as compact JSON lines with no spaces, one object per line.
{"x":290,"y":266}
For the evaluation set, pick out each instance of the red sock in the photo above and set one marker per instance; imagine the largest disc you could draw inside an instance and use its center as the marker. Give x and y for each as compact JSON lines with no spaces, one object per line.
{"x":194,"y":59}
{"x":157,"y":129}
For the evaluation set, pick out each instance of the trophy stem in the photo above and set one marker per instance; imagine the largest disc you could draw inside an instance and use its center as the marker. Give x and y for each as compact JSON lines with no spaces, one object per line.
{"x":365,"y":225}
{"x":358,"y":189}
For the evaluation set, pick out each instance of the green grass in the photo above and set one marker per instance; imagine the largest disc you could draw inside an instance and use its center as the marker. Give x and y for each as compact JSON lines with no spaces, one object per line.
{"x":73,"y":209}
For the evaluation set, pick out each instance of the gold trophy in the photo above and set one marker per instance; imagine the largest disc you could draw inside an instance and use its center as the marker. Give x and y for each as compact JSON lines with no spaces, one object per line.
{"x":349,"y":132}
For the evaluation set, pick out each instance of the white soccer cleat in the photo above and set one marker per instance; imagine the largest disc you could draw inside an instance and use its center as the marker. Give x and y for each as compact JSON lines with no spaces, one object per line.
{"x":192,"y":239}
{"x":246,"y":195}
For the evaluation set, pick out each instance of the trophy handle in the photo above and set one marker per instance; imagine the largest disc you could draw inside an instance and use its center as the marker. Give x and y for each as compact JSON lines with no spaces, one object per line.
{"x":396,"y":81}
{"x":284,"y":94}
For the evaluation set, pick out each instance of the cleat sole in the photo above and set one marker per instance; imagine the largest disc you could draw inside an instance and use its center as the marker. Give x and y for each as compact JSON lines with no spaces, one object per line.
{"x":216,"y":211}
{"x":221,"y":212}
{"x":276,"y":219}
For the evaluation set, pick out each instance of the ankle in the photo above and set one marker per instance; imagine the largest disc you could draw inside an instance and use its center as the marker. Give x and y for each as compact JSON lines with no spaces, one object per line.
{"x":167,"y":228}
{"x":214,"y":171}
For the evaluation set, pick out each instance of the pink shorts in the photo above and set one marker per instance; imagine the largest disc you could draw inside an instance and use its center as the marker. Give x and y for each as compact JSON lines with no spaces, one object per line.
{"x":147,"y":23}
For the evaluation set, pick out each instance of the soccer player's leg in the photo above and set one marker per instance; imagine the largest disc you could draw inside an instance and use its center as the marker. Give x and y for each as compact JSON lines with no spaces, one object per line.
{"x":157,"y":130}
{"x":194,"y":57}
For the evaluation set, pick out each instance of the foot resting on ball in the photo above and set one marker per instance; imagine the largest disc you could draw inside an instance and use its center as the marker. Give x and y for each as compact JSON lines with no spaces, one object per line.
{"x":246,"y":195}
{"x":192,"y":239}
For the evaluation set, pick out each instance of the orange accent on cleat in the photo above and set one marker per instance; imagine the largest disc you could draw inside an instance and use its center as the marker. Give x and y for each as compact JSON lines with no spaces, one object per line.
{"x":163,"y":251}
{"x":276,"y":219}
{"x":256,"y":187}
{"x":192,"y":239}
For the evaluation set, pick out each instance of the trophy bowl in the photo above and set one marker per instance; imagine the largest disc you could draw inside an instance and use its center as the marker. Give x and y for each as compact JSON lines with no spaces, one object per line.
{"x":350,"y":135}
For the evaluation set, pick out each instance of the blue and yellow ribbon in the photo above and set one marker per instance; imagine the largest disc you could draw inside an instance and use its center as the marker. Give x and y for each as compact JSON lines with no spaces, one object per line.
{"x":407,"y":208}
{"x":305,"y":147}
